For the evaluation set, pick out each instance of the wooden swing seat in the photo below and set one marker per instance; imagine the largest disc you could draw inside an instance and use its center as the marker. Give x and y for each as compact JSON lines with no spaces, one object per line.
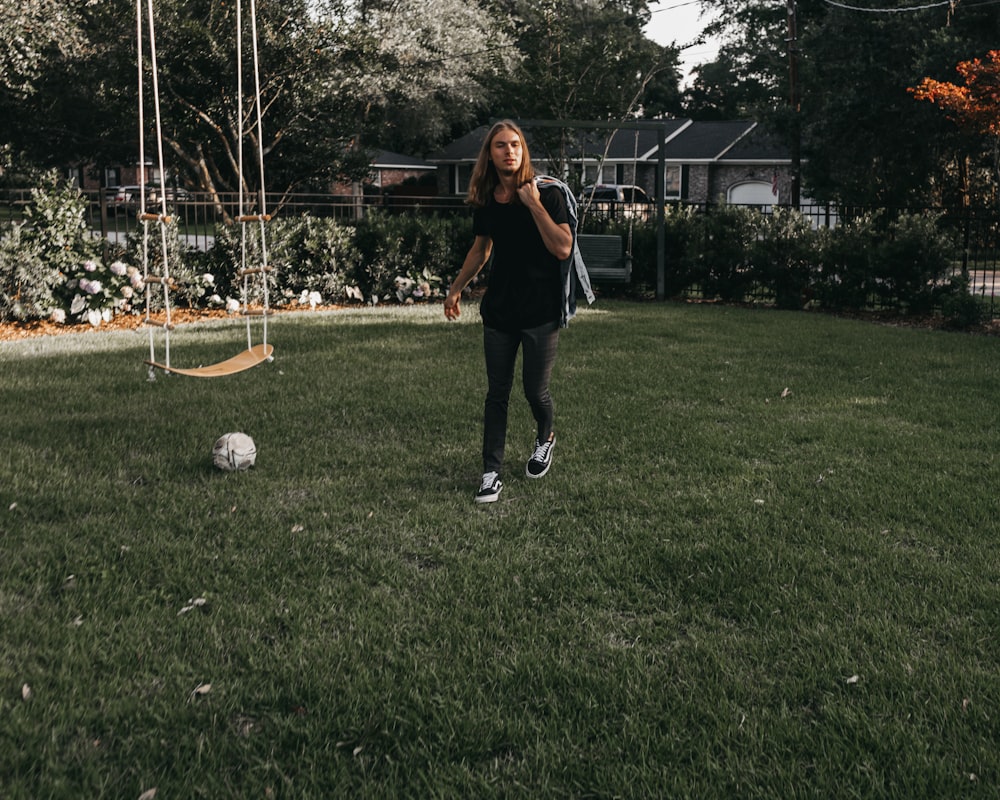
{"x":238,"y":363}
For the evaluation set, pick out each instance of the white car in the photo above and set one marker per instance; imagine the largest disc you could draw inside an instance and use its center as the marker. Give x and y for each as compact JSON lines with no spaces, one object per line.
{"x":617,"y":200}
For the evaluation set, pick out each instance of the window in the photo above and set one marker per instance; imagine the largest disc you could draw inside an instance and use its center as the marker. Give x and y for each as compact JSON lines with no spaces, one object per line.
{"x":672,"y":181}
{"x":459,"y":177}
{"x":606,"y":173}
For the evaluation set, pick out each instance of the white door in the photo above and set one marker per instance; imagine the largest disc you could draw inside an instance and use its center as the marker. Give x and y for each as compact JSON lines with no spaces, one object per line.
{"x":752,"y":193}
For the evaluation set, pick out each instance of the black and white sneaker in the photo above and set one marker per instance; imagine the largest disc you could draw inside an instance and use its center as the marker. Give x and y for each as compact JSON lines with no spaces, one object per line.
{"x":489,"y":489}
{"x":541,"y":459}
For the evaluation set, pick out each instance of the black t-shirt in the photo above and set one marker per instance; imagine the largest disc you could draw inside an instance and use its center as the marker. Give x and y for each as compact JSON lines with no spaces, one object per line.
{"x":525,"y":285}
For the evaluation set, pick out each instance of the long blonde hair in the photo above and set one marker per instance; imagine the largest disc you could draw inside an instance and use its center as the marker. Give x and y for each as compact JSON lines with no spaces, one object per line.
{"x":484,"y":175}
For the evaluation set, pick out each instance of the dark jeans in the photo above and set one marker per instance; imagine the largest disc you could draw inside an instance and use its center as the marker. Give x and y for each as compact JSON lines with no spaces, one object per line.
{"x":539,"y":345}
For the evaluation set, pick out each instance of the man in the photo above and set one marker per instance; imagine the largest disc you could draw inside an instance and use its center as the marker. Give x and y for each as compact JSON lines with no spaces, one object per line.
{"x":526,"y":229}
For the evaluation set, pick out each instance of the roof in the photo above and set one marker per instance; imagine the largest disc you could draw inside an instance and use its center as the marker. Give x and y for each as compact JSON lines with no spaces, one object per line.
{"x":465,"y":148}
{"x":686,"y":141}
{"x":706,"y":141}
{"x":624,"y":144}
{"x":758,"y":144}
{"x":384,"y":159}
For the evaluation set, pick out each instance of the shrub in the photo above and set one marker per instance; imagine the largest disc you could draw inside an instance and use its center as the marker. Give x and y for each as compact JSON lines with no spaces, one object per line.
{"x":49,"y":265}
{"x":408,"y":256}
{"x":844,"y":276}
{"x":26,"y":281}
{"x":783,"y":255}
{"x":192,"y":276}
{"x":680,"y":238}
{"x":314,"y":258}
{"x":961,"y":309}
{"x":911,"y":262}
{"x":719,"y":258}
{"x":311,"y":259}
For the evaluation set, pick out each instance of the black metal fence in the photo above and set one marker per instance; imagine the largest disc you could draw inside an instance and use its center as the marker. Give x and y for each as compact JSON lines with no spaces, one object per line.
{"x":975,"y":231}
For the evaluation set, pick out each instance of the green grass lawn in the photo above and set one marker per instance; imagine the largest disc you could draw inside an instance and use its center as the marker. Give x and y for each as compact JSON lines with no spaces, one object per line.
{"x":763,"y":565}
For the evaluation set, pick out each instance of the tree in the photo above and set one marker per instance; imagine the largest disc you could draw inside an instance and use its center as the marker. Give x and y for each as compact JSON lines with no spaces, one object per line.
{"x":584,"y":60}
{"x":30,"y":30}
{"x":412,"y":69}
{"x":33,"y":34}
{"x":85,"y":107}
{"x":339,"y":76}
{"x":713,"y":93}
{"x":975,"y":105}
{"x":863,"y":140}
{"x":336,"y":75}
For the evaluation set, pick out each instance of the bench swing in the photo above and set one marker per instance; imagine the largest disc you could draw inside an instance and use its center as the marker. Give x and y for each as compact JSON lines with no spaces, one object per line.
{"x":255,"y":353}
{"x":606,"y":259}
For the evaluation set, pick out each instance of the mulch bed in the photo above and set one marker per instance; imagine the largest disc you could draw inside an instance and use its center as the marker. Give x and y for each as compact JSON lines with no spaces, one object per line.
{"x":14,"y":331}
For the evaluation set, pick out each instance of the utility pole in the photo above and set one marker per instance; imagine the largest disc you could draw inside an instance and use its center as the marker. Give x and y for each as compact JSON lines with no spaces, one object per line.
{"x":792,"y":43}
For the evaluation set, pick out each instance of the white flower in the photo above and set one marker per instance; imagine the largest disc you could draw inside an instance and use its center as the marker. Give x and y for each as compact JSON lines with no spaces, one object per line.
{"x":137,"y":281}
{"x":58,"y":316}
{"x":215,"y":300}
{"x":91,"y":287}
{"x":315,"y":298}
{"x":94,"y":317}
{"x":118,"y":268}
{"x":127,"y":292}
{"x":232,"y":306}
{"x":208,"y":279}
{"x":89,"y":266}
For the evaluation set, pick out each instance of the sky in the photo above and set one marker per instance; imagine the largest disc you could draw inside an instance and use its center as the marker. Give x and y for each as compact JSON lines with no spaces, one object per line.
{"x":678,"y":21}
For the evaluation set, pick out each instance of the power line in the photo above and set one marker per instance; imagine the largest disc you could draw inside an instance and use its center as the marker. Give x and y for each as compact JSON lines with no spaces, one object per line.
{"x":890,"y":10}
{"x":676,"y":5}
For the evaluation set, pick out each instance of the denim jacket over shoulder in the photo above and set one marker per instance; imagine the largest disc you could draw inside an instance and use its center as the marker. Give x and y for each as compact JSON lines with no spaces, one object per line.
{"x":573,"y":269}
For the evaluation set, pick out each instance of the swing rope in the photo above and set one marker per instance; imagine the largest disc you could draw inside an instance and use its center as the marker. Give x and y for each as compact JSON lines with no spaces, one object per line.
{"x":164,"y":279}
{"x":262,"y":217}
{"x":635,"y":182}
{"x":253,"y":355}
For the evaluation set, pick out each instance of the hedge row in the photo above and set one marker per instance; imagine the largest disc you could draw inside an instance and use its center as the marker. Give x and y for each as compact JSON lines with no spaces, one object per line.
{"x":51,"y":265}
{"x":903,"y":263}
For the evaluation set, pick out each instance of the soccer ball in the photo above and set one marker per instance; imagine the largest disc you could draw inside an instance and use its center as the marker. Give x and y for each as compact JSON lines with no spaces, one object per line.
{"x":234,"y":451}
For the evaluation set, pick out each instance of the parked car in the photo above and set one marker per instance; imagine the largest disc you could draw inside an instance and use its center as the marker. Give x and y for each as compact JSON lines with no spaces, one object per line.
{"x":172,"y":194}
{"x":617,"y":200}
{"x":128,"y":196}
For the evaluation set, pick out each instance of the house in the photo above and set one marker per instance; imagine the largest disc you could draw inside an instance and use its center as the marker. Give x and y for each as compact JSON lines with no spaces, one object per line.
{"x":735,"y":161}
{"x":393,"y":173}
{"x":90,"y":177}
{"x":389,"y":173}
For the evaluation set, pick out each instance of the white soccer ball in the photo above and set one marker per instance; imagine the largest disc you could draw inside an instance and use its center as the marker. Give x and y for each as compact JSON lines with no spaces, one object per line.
{"x":234,"y":451}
